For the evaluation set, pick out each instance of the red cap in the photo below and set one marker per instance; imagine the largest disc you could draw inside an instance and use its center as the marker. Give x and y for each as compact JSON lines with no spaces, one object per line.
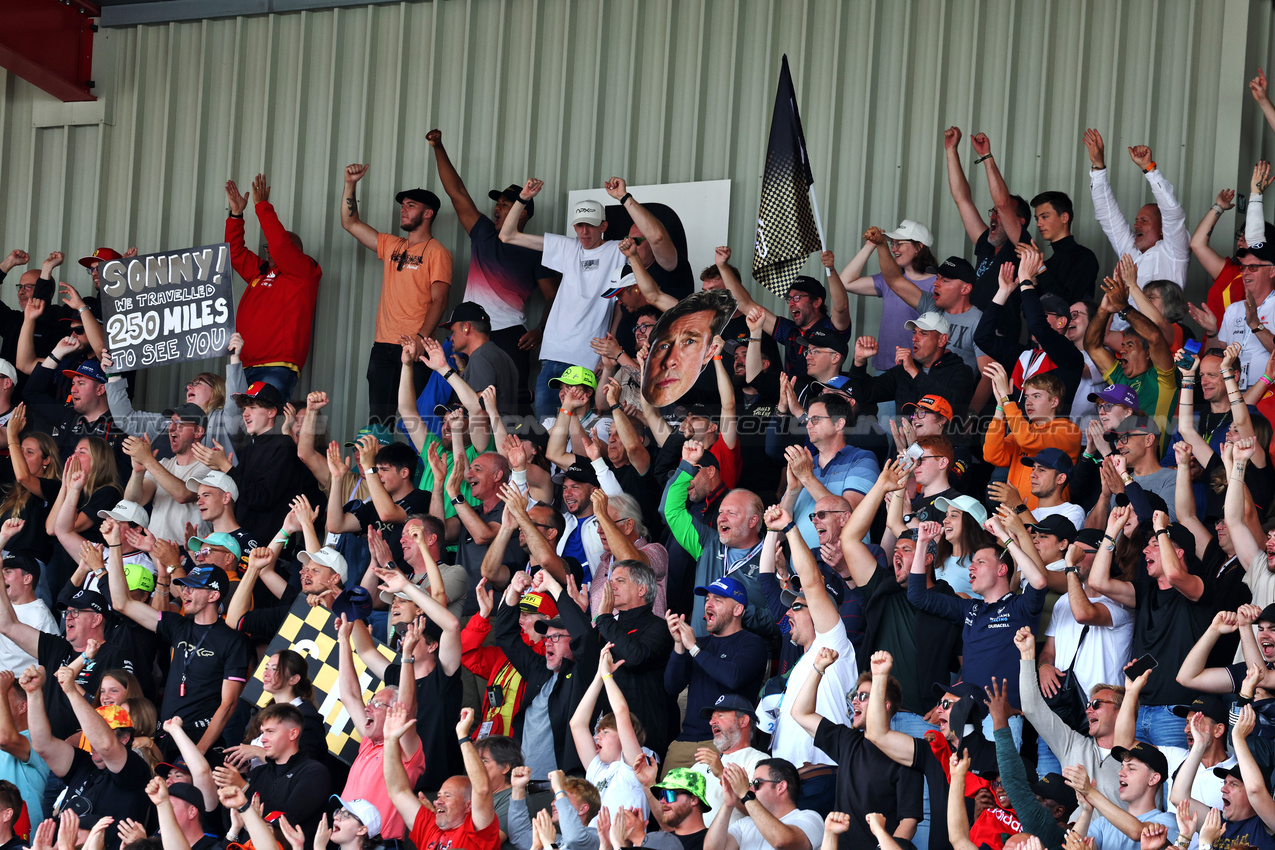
{"x":101,"y":255}
{"x":536,"y":602}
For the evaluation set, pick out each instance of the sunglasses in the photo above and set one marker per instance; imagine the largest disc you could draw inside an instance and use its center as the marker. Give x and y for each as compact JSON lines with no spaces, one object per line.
{"x":637,"y":240}
{"x":798,"y":606}
{"x":757,"y":783}
{"x":1095,"y":703}
{"x":861,"y":696}
{"x":946,"y":704}
{"x":669,"y":795}
{"x":822,"y":515}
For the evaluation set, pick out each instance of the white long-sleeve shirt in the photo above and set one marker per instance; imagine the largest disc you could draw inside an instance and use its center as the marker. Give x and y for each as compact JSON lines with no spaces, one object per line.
{"x":1166,"y":259}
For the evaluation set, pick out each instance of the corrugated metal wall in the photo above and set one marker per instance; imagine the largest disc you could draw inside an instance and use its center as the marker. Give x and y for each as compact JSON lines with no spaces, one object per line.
{"x":653,"y":90}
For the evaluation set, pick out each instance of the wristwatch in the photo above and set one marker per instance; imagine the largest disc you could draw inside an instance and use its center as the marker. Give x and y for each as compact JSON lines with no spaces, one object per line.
{"x":749,"y":795}
{"x":1021,"y":509}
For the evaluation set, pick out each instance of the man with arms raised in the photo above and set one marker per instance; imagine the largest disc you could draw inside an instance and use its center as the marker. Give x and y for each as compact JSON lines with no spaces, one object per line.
{"x":463,"y":814}
{"x":501,"y":276}
{"x":163,"y":483}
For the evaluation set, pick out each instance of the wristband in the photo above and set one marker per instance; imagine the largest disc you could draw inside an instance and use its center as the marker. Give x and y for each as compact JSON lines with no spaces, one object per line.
{"x":568,"y":412}
{"x":1265,"y":377}
{"x":464,"y":740}
{"x":283,"y":536}
{"x":1150,"y":167}
{"x":447,"y":375}
{"x":606,"y":675}
{"x":245,"y":807}
{"x":787,"y":528}
{"x":1217,"y":208}
{"x":522,"y":200}
{"x":371,"y":470}
{"x":237,"y":215}
{"x":628,"y":196}
{"x":983,"y":157}
{"x":1160,"y":531}
{"x":409,"y":659}
{"x":611,"y":408}
{"x":717,"y":357}
{"x":1094,"y":168}
{"x":558,"y":794}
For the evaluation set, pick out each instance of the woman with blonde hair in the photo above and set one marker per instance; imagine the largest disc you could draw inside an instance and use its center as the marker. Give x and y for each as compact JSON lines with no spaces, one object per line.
{"x":37,"y":473}
{"x":213,"y":393}
{"x":90,"y":485}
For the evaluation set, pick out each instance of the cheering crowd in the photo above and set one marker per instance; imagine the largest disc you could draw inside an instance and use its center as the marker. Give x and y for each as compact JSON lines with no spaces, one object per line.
{"x":669,"y":570}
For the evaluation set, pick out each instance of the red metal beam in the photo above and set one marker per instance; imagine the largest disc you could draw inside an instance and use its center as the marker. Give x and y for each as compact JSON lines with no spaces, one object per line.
{"x":49,"y":43}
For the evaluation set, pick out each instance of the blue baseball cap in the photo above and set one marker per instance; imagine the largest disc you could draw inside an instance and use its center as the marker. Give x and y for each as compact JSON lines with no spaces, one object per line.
{"x":1051,"y":458}
{"x":90,"y":369}
{"x":727,"y":587}
{"x":729,"y":702}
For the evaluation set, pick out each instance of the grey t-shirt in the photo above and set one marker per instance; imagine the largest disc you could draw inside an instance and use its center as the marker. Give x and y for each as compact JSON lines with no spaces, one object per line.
{"x":1162,"y":482}
{"x":961,"y":338}
{"x":488,"y":366}
{"x":540,"y":756}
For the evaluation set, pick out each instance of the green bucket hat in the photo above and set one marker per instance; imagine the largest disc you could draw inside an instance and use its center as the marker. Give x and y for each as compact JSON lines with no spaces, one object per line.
{"x":682,"y":779}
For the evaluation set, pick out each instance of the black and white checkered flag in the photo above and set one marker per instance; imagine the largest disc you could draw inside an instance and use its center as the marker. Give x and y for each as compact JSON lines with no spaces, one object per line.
{"x":787,"y":232}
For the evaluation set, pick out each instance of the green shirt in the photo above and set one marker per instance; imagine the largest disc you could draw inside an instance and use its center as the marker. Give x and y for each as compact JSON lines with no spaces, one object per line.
{"x":1157,"y":391}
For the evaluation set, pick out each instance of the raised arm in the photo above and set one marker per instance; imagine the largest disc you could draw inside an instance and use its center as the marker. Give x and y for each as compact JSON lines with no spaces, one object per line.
{"x":743,"y":299}
{"x":958,"y":822}
{"x":900,"y":747}
{"x":1100,"y":578}
{"x":481,"y":811}
{"x":1247,"y":545}
{"x":824,"y":614}
{"x":960,"y":187}
{"x":804,"y":709}
{"x":1211,"y":260}
{"x":1183,"y":581}
{"x":647,"y":224}
{"x":137,"y":611}
{"x":57,"y":754}
{"x":509,"y":231}
{"x":466,"y":212}
{"x":1001,"y":198}
{"x":347,"y":676}
{"x":350,"y":220}
{"x":1254,"y":777}
{"x":1095,"y":333}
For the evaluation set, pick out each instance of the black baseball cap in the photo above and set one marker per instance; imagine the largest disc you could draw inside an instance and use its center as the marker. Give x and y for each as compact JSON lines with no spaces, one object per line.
{"x":810,"y":286}
{"x":187,"y":412}
{"x":512,"y":193}
{"x":582,"y":472}
{"x":1054,"y":304}
{"x":821,"y":337}
{"x":957,"y":268}
{"x":729,"y":702}
{"x":1089,"y":536}
{"x":1057,"y":525}
{"x":187,"y":793}
{"x":422,"y":196}
{"x":1145,"y":753}
{"x":467,"y":311}
{"x":88,"y":600}
{"x":1052,"y":786}
{"x":1264,"y":252}
{"x":1210,"y":705}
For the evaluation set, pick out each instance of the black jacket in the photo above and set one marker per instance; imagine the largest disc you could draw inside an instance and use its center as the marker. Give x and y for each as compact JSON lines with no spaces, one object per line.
{"x":299,"y":789}
{"x":643,"y":641}
{"x":573,"y":677}
{"x":1068,"y":362}
{"x":269,"y":476}
{"x":948,"y":376}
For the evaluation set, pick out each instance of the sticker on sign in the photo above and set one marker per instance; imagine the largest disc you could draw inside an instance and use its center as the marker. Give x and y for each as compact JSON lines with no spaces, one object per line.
{"x":168,"y":307}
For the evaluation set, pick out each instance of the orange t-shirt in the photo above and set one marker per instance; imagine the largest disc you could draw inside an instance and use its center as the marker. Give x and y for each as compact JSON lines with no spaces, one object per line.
{"x":405,"y":284}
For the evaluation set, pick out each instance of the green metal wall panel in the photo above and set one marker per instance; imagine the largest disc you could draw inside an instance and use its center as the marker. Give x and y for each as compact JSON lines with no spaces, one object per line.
{"x":575,"y":91}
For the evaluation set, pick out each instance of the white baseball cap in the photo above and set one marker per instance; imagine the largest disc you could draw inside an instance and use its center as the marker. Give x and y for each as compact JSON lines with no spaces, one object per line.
{"x":330,"y":558}
{"x":365,"y":812}
{"x":7,"y":369}
{"x":913,"y":231}
{"x":126,"y":511}
{"x":214,"y":478}
{"x":930,"y":321}
{"x":587,"y":212}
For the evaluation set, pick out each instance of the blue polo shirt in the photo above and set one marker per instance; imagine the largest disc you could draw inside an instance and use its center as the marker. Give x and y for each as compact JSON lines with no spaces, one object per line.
{"x":988,"y":629}
{"x":851,"y":468}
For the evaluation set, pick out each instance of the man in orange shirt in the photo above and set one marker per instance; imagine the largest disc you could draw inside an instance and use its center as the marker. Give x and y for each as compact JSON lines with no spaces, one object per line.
{"x":414,"y":286}
{"x":1015,"y":432}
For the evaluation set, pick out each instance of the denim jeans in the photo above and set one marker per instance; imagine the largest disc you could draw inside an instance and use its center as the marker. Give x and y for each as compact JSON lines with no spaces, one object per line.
{"x":818,"y":794}
{"x":546,"y":403}
{"x":281,"y":378}
{"x":1160,"y":727}
{"x":1015,"y":729}
{"x":915,"y":725}
{"x":1046,"y":761}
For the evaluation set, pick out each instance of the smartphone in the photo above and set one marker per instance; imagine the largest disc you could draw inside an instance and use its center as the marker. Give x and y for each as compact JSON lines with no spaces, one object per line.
{"x":1190,"y":350}
{"x":1142,"y":665}
{"x":43,"y":291}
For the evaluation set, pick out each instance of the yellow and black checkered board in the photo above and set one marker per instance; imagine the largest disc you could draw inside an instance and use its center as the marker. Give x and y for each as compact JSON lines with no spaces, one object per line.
{"x":312,"y":633}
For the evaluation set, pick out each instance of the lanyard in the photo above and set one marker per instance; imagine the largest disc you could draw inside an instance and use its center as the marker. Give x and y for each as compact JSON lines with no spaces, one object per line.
{"x":186,"y":659}
{"x":747,"y":556}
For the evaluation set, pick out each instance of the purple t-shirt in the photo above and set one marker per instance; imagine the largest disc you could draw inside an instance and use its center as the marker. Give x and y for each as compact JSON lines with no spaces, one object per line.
{"x":894,"y":313}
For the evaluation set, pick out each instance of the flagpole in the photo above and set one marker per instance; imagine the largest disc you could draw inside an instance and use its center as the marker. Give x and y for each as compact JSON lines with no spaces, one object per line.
{"x":814,"y":205}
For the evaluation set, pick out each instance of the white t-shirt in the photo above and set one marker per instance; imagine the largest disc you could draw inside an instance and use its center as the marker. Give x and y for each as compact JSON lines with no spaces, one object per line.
{"x":1070,"y":510}
{"x":1234,"y":328}
{"x":746,"y":758}
{"x":749,"y":837}
{"x":169,"y":516}
{"x":1206,"y":788}
{"x":1083,"y":411}
{"x":579,"y":312}
{"x":1105,"y":650}
{"x":794,"y":743}
{"x":618,"y":785}
{"x":36,"y":615}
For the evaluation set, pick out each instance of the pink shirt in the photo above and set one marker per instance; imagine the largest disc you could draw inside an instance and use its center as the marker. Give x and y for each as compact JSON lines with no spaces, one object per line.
{"x":659,"y":562}
{"x":367,"y":782}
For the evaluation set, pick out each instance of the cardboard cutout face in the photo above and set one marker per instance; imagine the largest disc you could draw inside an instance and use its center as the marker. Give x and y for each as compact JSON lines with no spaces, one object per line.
{"x":683,"y":342}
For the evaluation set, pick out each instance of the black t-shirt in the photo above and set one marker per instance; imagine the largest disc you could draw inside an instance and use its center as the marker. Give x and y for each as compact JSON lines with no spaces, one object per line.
{"x":1250,"y":831}
{"x":1166,"y":624}
{"x":987,"y":269}
{"x":470,"y":556}
{"x":203,"y":657}
{"x":438,"y":704}
{"x":415,"y":502}
{"x":894,"y":791}
{"x":119,"y":795}
{"x":133,"y":640}
{"x":103,"y":499}
{"x":54,"y":651}
{"x":694,"y":841}
{"x":924,"y":509}
{"x":642,"y":488}
{"x":32,"y":540}
{"x":261,"y":624}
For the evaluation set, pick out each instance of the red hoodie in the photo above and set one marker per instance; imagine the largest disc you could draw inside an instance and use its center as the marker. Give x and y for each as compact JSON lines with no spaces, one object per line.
{"x":276,"y":312}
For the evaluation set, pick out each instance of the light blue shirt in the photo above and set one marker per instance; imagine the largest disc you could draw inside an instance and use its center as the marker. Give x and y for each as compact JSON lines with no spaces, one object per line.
{"x":1107,"y":837}
{"x":851,"y":468}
